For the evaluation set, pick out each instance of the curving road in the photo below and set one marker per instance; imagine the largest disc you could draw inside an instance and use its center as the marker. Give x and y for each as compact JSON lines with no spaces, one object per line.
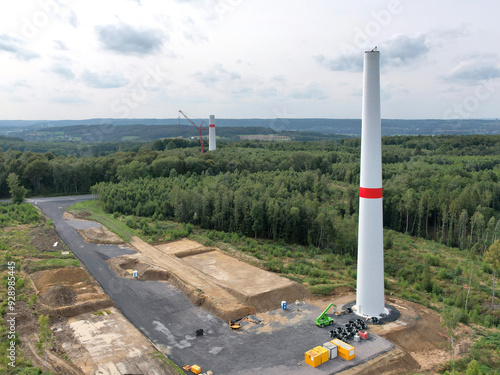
{"x":170,"y":320}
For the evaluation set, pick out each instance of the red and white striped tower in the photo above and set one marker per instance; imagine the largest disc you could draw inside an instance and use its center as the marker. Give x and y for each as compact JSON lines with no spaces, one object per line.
{"x":211,"y":133}
{"x":370,"y":282}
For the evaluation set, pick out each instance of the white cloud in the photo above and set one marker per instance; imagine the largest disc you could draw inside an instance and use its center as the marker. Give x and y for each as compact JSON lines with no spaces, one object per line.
{"x":63,"y":71}
{"x":215,"y":75}
{"x":68,"y":99}
{"x":310,"y":92}
{"x":14,"y":46}
{"x":103,"y":81}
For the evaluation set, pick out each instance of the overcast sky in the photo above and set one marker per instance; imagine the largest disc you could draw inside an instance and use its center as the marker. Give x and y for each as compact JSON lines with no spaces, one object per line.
{"x":75,"y":59}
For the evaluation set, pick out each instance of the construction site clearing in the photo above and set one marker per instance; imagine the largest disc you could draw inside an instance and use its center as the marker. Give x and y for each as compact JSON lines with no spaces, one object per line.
{"x":225,"y":286}
{"x":87,"y":328}
{"x":235,"y":292}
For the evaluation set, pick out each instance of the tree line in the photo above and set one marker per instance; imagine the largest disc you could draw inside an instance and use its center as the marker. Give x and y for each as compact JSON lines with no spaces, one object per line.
{"x":296,"y":207}
{"x":443,"y":188}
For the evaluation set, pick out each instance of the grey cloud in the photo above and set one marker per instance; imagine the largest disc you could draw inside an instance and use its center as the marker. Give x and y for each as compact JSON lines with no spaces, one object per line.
{"x":346,"y":62}
{"x":14,"y":46}
{"x":63,"y":71}
{"x":216,"y":74}
{"x":72,"y":18}
{"x":104,"y":81}
{"x":128,"y":40}
{"x":403,"y":50}
{"x":26,"y":55}
{"x":60,"y":45}
{"x":8,"y":43}
{"x":399,"y":51}
{"x":472,"y":69}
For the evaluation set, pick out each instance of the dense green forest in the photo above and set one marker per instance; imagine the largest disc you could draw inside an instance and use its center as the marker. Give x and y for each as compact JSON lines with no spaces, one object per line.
{"x":443,"y":188}
{"x":440,"y":188}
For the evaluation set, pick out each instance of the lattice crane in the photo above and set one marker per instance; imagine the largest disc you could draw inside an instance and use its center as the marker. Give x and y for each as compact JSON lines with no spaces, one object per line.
{"x":197,"y":127}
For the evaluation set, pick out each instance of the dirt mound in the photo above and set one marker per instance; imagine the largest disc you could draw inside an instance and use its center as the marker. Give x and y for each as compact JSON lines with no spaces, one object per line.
{"x":69,"y":291}
{"x":72,"y":277}
{"x":179,"y":246}
{"x":58,"y":296}
{"x":125,"y":265}
{"x":73,"y":215}
{"x":100,"y":235}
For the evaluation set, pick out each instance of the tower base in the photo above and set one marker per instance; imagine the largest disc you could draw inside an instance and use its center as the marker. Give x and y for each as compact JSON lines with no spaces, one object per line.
{"x":385,"y":313}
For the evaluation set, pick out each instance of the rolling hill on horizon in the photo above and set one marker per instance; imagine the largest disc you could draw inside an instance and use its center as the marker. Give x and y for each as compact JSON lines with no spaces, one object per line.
{"x":350,"y":127}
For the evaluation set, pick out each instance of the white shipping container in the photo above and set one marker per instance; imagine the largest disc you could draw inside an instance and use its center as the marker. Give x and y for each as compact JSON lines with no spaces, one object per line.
{"x":332,"y":349}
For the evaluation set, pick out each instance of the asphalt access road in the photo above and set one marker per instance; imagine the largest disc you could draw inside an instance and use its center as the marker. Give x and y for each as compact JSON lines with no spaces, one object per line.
{"x":169,"y":319}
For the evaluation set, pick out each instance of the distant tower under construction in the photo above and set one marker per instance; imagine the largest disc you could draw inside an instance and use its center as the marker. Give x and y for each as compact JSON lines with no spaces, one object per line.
{"x":370,"y":276}
{"x":211,"y":133}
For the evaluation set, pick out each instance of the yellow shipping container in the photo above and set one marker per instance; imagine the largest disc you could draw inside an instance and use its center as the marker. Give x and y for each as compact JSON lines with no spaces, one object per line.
{"x":325,"y":353}
{"x":312,"y":358}
{"x":345,"y":350}
{"x":195,"y":369}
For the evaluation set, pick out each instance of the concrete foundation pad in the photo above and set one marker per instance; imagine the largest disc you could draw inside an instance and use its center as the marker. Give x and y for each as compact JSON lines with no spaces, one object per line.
{"x":225,"y":286}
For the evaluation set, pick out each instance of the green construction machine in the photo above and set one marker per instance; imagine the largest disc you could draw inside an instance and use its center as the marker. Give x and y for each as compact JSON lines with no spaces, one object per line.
{"x":323,"y":319}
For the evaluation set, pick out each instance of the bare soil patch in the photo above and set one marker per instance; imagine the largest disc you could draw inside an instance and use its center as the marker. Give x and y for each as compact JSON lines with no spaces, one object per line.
{"x":69,"y":291}
{"x":419,"y":333}
{"x":100,"y":235}
{"x":69,"y":216}
{"x":80,"y":215}
{"x":26,"y":323}
{"x":43,"y":238}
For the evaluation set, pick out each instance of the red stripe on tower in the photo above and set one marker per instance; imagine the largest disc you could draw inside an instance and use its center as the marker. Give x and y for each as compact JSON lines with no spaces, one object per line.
{"x":370,"y":193}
